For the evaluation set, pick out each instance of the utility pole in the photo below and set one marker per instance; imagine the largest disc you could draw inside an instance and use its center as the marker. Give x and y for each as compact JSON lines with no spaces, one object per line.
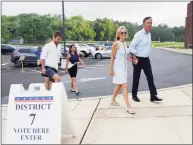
{"x":63,"y":15}
{"x":188,"y":39}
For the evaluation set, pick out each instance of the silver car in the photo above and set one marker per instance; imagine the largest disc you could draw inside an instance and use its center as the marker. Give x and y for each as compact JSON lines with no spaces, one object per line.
{"x":105,"y":53}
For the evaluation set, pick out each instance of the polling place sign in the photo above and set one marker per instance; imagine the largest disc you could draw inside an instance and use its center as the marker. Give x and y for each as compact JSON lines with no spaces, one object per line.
{"x":35,"y":117}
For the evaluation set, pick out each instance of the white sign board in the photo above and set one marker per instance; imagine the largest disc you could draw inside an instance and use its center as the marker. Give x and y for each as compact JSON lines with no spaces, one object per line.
{"x":36,"y":117}
{"x":63,"y":64}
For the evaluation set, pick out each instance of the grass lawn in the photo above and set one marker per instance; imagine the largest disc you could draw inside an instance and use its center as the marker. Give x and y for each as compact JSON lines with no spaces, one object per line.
{"x":177,"y":45}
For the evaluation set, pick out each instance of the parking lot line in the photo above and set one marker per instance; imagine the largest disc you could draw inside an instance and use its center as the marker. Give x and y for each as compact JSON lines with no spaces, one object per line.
{"x":93,"y":67}
{"x":33,"y":70}
{"x":83,"y":70}
{"x":62,"y":71}
{"x":97,"y":65}
{"x":41,"y":72}
{"x":4,"y":63}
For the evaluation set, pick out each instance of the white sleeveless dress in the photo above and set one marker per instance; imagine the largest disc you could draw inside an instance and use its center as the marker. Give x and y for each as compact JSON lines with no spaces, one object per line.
{"x":120,"y":64}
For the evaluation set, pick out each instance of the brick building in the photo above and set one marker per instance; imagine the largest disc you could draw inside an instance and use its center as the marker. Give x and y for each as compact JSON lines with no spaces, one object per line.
{"x":188,"y":27}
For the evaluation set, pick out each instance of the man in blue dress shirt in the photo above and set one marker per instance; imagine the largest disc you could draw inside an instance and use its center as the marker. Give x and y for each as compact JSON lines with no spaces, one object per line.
{"x":140,"y":49}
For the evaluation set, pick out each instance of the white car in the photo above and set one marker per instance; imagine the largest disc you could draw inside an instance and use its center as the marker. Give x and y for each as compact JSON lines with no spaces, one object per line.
{"x":85,"y":49}
{"x":67,"y":49}
{"x":99,"y":54}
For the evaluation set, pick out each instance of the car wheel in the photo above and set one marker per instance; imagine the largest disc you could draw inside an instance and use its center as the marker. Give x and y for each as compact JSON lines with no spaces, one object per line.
{"x":90,"y":55}
{"x":83,"y":53}
{"x":81,"y":56}
{"x":98,"y":56}
{"x":17,"y":63}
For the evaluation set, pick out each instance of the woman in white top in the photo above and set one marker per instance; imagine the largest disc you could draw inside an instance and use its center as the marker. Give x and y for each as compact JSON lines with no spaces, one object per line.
{"x":118,"y":67}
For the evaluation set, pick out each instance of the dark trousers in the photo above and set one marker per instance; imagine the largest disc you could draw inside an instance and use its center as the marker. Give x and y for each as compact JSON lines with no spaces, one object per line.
{"x":143,"y":63}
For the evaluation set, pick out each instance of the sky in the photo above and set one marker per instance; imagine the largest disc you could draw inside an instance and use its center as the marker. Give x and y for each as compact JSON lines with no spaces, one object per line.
{"x":170,"y":13}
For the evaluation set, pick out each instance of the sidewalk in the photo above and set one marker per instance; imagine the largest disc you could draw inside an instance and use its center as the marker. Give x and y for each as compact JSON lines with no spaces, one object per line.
{"x":185,"y":51}
{"x":97,"y":122}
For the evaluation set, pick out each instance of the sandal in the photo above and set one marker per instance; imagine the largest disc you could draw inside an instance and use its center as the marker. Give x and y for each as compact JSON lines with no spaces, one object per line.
{"x":131,"y":110}
{"x":115,"y":104}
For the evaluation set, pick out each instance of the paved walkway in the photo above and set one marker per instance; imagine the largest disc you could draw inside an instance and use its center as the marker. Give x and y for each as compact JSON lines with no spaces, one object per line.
{"x":185,"y":51}
{"x":96,"y":122}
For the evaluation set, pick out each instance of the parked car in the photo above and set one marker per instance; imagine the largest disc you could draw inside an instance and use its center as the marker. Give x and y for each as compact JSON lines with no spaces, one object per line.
{"x":67,"y":49}
{"x":92,"y":44}
{"x":7,"y":48}
{"x":28,"y":52}
{"x":105,"y":53}
{"x":85,"y":49}
{"x":106,"y":44}
{"x":92,"y":48}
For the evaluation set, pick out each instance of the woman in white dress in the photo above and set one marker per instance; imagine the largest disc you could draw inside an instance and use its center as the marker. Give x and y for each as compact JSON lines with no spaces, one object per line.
{"x":118,"y":67}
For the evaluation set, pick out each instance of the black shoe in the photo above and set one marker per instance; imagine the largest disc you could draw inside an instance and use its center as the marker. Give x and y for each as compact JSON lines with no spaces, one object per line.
{"x":155,"y":98}
{"x":73,"y":91}
{"x":136,"y":99}
{"x":77,"y":93}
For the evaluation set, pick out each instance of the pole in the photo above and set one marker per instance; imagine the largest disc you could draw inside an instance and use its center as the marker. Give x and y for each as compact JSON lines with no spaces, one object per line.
{"x":188,"y":39}
{"x":64,"y":28}
{"x":22,"y":69}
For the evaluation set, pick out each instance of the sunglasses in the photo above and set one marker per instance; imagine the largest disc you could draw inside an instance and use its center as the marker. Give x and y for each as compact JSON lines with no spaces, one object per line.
{"x":123,"y":33}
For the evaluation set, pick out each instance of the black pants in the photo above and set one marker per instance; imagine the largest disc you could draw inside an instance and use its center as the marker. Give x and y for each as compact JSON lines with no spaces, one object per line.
{"x":143,"y":63}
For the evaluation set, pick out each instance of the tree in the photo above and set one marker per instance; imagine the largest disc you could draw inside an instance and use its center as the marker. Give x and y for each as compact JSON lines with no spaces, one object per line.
{"x":79,"y":29}
{"x":179,"y":33}
{"x":33,"y":27}
{"x":5,"y":33}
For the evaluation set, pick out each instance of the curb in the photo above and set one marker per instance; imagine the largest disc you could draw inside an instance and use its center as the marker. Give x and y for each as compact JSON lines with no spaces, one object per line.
{"x":172,"y":50}
{"x":142,"y":92}
{"x":109,"y":96}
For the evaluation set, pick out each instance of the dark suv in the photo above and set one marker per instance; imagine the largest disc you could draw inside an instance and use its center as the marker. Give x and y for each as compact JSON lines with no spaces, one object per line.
{"x":28,"y":52}
{"x":7,"y":48}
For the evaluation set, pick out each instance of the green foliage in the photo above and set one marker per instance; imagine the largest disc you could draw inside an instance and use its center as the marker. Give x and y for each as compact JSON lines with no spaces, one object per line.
{"x":40,"y":27}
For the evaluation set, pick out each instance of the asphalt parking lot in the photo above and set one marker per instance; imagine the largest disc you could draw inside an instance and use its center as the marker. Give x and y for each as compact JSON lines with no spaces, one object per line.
{"x":169,"y":69}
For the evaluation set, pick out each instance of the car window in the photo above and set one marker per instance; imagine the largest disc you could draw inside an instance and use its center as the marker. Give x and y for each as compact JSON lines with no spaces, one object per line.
{"x":33,"y":51}
{"x":3,"y":47}
{"x":24,"y":50}
{"x":82,"y":45}
{"x":108,"y":48}
{"x":8,"y":47}
{"x":68,"y":46}
{"x":11,"y":47}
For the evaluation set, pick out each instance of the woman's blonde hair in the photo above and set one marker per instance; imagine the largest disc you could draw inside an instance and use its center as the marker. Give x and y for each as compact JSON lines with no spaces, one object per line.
{"x":119,"y":32}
